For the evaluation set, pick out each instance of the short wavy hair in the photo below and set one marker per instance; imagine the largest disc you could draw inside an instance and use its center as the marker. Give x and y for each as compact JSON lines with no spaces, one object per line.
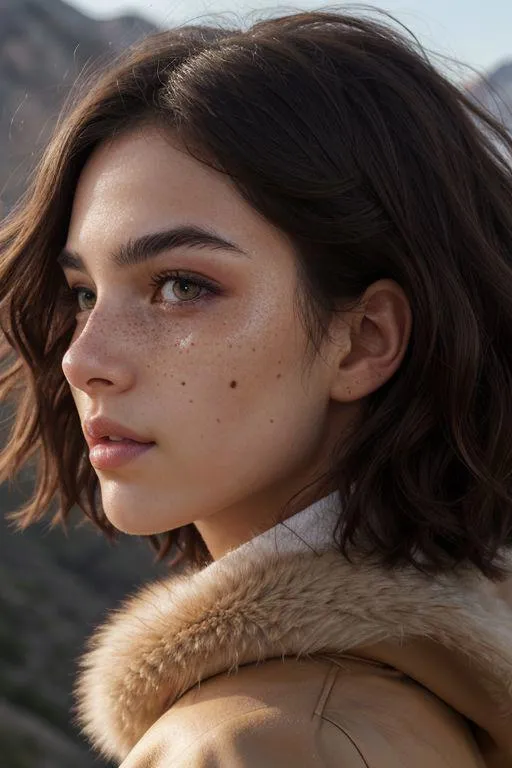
{"x":340,"y":131}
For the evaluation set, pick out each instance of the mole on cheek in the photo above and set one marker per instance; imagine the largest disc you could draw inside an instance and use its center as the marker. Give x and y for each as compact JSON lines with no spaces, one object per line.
{"x":233,"y":384}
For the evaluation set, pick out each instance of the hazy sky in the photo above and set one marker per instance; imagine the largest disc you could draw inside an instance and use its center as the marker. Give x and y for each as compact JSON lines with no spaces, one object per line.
{"x":476,"y":32}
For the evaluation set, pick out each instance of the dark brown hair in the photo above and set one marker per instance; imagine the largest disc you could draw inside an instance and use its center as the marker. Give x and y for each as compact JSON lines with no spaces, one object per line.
{"x":341,"y":132}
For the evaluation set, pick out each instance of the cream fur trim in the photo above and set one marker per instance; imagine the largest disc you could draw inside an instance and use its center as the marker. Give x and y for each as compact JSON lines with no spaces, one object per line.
{"x":240,"y":609}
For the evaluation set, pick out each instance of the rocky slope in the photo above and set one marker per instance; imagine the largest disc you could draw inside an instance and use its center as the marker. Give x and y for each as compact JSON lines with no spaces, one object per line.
{"x":53,"y":590}
{"x":44,"y":46}
{"x":494,"y":92}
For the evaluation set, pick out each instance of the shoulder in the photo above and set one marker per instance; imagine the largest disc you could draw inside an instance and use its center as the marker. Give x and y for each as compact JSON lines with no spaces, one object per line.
{"x":264,"y":714}
{"x":309,"y":712}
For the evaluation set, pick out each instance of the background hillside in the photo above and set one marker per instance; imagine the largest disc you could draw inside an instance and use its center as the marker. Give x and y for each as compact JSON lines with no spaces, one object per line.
{"x":44,"y":46}
{"x":53,"y":589}
{"x":495,"y":92}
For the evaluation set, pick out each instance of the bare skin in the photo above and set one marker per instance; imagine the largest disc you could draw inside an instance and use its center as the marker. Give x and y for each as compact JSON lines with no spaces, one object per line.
{"x":217,"y":380}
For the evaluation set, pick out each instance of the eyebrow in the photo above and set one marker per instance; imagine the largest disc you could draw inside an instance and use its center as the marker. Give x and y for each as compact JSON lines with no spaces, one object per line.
{"x":148,"y":246}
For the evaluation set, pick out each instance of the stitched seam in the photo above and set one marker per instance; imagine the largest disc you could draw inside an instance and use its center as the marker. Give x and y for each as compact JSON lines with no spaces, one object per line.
{"x":329,"y":682}
{"x":349,"y":737}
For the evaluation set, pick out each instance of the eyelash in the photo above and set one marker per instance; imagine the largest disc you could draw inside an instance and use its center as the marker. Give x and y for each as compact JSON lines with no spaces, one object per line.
{"x":158,"y":281}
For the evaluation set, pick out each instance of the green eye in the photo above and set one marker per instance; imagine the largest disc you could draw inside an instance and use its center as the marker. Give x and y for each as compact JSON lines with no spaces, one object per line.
{"x":192,"y":287}
{"x":77,"y":292}
{"x":186,"y":289}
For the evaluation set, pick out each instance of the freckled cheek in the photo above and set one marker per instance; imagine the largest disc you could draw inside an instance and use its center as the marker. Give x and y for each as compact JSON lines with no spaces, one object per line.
{"x":227,"y":355}
{"x":213,"y":373}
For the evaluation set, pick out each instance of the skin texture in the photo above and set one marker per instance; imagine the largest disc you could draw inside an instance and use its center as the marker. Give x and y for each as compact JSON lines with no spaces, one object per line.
{"x":219,"y":383}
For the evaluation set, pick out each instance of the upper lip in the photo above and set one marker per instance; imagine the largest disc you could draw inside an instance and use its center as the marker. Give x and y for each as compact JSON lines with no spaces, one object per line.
{"x":99,"y":427}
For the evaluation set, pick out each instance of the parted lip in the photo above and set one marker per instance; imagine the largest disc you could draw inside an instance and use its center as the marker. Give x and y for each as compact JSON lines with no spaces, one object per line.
{"x":97,"y":428}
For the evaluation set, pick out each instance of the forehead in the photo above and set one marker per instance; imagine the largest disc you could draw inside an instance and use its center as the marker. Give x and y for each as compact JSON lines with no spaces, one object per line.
{"x":144,"y":170}
{"x":144,"y":181}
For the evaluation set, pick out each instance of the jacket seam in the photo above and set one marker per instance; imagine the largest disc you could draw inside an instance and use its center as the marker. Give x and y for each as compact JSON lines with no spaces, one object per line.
{"x":348,"y":736}
{"x":338,"y":660}
{"x":329,"y":682}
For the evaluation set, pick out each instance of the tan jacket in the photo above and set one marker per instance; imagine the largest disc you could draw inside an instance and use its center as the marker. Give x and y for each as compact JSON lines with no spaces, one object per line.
{"x":265,"y":660}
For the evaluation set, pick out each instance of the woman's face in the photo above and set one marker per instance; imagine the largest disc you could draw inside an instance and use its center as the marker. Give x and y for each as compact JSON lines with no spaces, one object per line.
{"x":215,"y":377}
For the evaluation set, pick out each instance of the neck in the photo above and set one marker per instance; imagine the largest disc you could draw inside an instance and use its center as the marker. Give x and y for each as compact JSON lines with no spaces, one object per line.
{"x":232,"y":527}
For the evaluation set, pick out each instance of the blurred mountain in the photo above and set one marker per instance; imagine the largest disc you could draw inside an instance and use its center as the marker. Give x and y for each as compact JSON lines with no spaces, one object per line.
{"x":494,"y":92}
{"x":44,"y":46}
{"x":54,"y":588}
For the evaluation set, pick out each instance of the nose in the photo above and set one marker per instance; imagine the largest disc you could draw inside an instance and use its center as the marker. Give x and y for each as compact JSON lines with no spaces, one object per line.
{"x":97,"y":359}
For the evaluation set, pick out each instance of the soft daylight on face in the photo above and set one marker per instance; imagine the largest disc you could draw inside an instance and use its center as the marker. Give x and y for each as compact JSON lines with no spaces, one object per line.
{"x":218,"y":383}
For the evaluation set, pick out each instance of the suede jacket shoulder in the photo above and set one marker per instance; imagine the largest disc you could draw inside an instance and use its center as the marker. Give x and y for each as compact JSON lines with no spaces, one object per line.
{"x":303,"y":659}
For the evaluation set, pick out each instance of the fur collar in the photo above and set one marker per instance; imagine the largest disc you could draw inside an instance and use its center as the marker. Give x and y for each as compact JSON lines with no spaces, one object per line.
{"x":256,"y":603}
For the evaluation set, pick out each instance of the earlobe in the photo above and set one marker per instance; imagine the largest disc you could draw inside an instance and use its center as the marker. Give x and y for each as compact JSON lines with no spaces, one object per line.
{"x":372,"y":341}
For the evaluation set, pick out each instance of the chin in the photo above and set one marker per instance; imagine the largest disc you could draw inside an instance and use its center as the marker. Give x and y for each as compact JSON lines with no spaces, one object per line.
{"x":136,"y":528}
{"x":137,"y":524}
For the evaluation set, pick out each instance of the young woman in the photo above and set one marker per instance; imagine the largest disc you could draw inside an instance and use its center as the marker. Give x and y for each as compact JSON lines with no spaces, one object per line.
{"x":257,"y":307}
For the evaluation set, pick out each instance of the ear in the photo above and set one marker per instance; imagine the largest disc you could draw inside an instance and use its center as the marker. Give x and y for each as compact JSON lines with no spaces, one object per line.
{"x":372,"y":341}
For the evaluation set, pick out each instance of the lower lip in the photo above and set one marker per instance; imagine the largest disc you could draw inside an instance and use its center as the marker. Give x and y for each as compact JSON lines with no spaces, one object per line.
{"x":110,"y":455}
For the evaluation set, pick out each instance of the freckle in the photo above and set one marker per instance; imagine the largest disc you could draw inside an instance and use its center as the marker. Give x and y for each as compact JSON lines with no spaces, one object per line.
{"x":218,"y":420}
{"x":191,"y":401}
{"x":233,"y":384}
{"x":279,"y":375}
{"x":182,"y":383}
{"x":254,"y":349}
{"x":271,"y":421}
